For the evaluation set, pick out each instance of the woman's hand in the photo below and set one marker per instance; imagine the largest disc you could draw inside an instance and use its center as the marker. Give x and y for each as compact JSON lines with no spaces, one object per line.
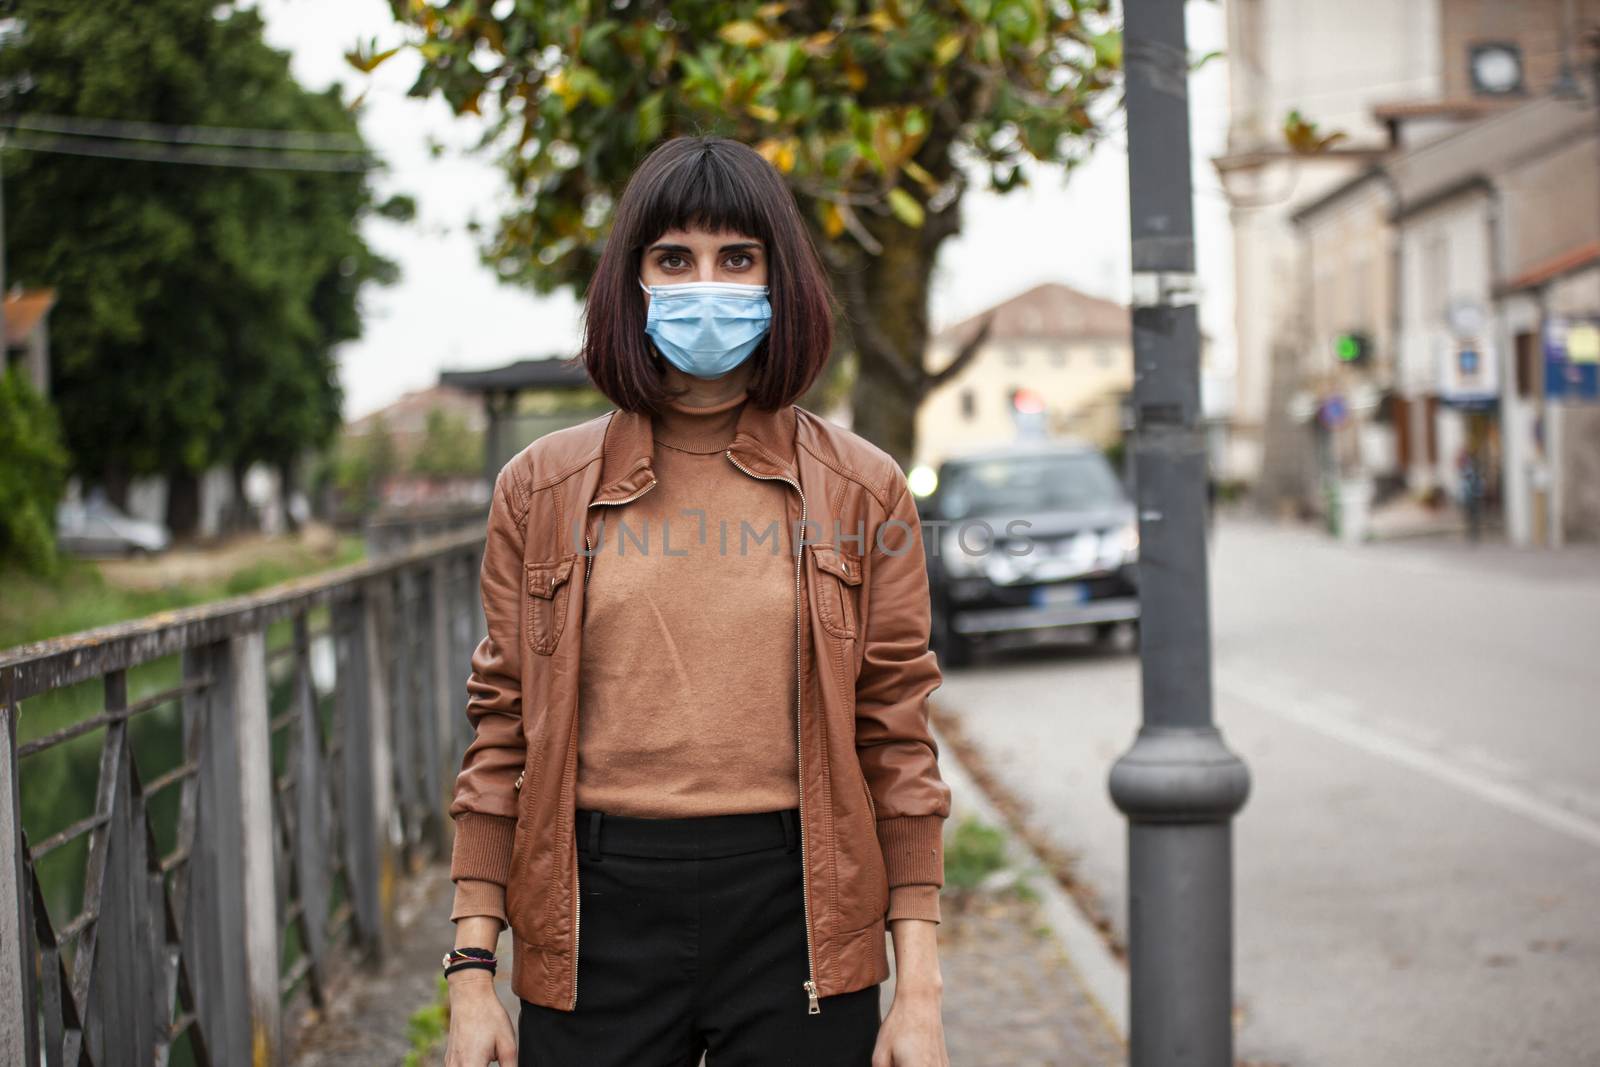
{"x":912,"y":1034}
{"x":480,"y":1028}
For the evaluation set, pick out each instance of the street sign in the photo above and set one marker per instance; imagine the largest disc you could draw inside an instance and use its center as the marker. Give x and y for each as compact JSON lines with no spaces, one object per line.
{"x":1469,"y":372}
{"x":1333,"y":412}
{"x":1572,"y":358}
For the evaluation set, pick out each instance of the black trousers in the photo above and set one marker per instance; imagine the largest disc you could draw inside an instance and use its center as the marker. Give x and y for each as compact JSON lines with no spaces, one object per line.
{"x":691,"y":940}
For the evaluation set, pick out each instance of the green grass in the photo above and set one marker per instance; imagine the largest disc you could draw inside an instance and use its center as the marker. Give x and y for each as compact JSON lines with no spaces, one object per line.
{"x":79,"y":598}
{"x":429,"y":1025}
{"x":973,"y":851}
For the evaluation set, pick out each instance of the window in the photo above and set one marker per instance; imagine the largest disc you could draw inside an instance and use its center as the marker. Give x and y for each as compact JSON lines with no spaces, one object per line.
{"x":969,"y":404}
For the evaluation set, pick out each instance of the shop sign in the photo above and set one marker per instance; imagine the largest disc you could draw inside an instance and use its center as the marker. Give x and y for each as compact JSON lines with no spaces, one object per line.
{"x":1572,"y":358}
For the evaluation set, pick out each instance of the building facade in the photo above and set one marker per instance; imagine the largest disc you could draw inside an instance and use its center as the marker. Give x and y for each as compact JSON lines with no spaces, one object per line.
{"x":1387,"y":78}
{"x":1484,"y":239}
{"x":1052,"y":348}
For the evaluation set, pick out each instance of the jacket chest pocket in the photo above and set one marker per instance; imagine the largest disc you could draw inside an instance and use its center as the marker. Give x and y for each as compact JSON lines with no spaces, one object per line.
{"x":838,"y":573}
{"x":548,"y":593}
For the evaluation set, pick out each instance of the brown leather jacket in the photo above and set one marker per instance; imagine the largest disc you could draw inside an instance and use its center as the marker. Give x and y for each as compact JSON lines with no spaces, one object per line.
{"x":873,"y":803}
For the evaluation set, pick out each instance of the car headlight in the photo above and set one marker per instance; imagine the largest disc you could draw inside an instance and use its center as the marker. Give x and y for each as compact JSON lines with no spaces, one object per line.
{"x":1120,"y":546}
{"x":962,"y":560}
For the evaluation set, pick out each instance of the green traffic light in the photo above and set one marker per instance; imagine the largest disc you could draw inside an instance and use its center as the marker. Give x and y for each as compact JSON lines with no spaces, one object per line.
{"x":1347,"y":347}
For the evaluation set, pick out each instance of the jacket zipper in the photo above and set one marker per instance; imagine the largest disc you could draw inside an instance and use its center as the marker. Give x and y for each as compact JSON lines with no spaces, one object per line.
{"x":805,"y":891}
{"x":588,"y":569}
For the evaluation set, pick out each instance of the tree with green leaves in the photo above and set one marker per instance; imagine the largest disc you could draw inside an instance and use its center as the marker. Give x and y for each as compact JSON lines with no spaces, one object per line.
{"x":202,"y":286}
{"x":32,"y":476}
{"x":878,"y":114}
{"x":449,"y":448}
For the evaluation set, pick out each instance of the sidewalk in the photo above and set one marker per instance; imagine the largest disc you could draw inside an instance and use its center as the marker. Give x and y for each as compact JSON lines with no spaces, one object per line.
{"x":1013,"y":996}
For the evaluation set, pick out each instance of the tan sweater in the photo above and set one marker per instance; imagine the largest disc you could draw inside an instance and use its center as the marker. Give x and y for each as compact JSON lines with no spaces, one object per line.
{"x":686,"y":694}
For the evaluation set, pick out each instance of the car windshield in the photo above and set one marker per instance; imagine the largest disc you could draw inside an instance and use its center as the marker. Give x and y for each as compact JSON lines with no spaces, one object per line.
{"x":1028,"y":484}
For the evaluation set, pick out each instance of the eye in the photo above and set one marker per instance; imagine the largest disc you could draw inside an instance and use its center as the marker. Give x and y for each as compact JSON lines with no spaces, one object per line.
{"x":741,"y":261}
{"x":671,"y":261}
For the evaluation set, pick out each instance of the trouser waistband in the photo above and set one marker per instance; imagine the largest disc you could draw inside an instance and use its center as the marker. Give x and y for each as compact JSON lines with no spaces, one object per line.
{"x":695,"y":837}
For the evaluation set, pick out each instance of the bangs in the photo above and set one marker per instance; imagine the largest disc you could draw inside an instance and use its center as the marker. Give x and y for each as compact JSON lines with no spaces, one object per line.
{"x":700,"y":189}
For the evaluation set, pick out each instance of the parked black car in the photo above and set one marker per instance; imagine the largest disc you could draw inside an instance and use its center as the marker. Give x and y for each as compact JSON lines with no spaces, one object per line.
{"x":1028,"y":541}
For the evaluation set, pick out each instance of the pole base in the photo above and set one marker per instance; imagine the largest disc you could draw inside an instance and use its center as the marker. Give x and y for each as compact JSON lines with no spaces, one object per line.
{"x":1179,"y":774}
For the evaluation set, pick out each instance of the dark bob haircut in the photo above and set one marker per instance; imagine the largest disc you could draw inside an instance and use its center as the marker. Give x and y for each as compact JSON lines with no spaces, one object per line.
{"x":719,"y":185}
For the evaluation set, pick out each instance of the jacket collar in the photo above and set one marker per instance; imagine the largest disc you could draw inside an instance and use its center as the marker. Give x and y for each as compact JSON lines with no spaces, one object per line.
{"x":763,"y":442}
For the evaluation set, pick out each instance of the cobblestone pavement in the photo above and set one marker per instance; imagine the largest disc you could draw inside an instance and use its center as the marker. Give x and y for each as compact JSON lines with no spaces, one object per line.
{"x":1011,"y":996}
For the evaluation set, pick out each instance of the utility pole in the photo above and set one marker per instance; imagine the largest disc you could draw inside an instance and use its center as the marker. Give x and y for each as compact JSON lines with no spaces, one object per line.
{"x":1179,"y":785}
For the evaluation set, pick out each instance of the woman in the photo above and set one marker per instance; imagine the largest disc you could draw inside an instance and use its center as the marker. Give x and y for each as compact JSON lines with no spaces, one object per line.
{"x":701,"y":783}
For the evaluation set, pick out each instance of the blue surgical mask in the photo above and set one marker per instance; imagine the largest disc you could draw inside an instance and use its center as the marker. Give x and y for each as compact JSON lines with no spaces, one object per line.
{"x":706,"y":329}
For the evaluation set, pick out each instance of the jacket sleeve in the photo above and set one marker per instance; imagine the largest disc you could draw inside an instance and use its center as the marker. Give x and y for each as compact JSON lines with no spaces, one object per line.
{"x":898,"y":672}
{"x":483,"y":804}
{"x":479,"y":898}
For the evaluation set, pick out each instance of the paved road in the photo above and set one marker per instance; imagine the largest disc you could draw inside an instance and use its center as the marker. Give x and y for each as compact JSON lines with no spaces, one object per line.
{"x":1418,"y":867}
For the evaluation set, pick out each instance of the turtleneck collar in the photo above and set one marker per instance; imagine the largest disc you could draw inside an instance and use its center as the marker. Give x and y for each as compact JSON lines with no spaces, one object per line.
{"x":701,"y":430}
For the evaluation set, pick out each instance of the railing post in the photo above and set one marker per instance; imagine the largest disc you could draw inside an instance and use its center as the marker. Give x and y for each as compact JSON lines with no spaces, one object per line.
{"x":356,"y":770}
{"x":247,"y":678}
{"x":310,"y":795}
{"x":378,"y":708}
{"x":19,"y":1038}
{"x":444,"y":685}
{"x":215,"y":922}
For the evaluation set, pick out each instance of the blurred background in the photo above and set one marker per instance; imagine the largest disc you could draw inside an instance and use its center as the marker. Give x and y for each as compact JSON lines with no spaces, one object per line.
{"x":286,"y":282}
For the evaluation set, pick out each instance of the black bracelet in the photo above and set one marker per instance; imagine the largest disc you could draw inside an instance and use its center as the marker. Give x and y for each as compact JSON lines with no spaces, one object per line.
{"x":459,"y":955}
{"x":487,"y":965}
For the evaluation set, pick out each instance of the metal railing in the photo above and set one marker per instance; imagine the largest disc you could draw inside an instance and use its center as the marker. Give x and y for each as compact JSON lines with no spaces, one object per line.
{"x":256,"y":774}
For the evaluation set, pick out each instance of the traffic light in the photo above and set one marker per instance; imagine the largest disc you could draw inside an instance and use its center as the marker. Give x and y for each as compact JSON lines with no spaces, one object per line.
{"x":1352,"y":348}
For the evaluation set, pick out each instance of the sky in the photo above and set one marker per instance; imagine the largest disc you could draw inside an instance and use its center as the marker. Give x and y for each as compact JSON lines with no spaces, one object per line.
{"x":449,"y":312}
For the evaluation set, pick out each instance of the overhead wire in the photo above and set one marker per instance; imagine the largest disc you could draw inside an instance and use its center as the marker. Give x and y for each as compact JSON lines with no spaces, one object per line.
{"x":212,"y":146}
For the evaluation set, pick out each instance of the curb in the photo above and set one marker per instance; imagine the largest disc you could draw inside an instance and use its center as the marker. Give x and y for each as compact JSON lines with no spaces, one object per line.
{"x":1103,"y":977}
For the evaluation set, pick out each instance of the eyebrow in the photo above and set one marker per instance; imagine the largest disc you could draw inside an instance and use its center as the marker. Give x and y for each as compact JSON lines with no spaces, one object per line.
{"x":740,"y":246}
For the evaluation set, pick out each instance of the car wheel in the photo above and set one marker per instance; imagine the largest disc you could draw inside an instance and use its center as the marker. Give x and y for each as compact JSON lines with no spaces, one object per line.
{"x":1108,"y":636}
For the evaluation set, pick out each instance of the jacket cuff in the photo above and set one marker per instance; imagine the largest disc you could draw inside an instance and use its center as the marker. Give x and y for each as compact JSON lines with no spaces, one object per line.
{"x":482,"y":849}
{"x":914,"y":902}
{"x":475,"y":897}
{"x":913,"y":849}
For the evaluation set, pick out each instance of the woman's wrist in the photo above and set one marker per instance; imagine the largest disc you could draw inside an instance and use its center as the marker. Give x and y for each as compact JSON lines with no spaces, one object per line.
{"x":477,"y":931}
{"x":916,"y":959}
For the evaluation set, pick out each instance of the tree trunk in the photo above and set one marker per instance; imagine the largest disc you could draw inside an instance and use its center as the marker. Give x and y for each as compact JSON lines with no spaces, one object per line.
{"x":287,"y":485}
{"x":882,"y":410}
{"x":115,"y":481}
{"x":891,"y":289}
{"x":238,"y":510}
{"x":183,"y":504}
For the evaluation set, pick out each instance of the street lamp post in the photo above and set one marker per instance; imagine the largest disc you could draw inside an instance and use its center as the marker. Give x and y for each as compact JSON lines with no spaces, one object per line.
{"x":1178,"y":784}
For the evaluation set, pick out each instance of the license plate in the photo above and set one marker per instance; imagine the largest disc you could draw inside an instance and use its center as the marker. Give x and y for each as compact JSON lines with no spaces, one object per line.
{"x":1051,"y":596}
